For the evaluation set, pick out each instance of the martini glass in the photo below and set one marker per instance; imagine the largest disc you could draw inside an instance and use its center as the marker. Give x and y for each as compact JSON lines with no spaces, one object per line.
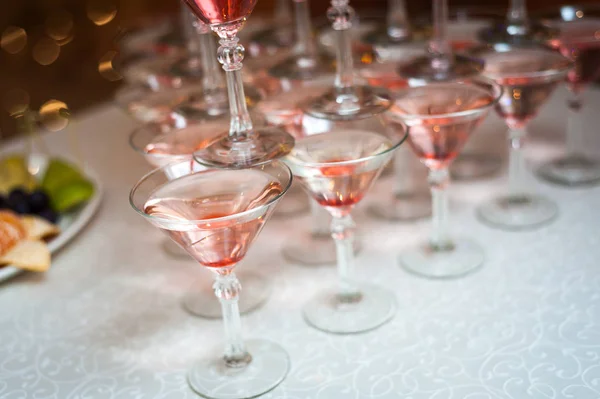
{"x":314,"y":247}
{"x":396,"y":30}
{"x":440,"y":118}
{"x":244,"y":145}
{"x":156,"y":73}
{"x":276,"y":39}
{"x":406,"y":203}
{"x":147,"y":106}
{"x":441,"y":64}
{"x":472,"y":163}
{"x":337,"y":163}
{"x":154,"y":37}
{"x":177,"y":146}
{"x":216,"y":215}
{"x":518,"y":28}
{"x":529,"y":76}
{"x":337,"y":167}
{"x":167,"y":72}
{"x":306,"y":62}
{"x":579,"y":40}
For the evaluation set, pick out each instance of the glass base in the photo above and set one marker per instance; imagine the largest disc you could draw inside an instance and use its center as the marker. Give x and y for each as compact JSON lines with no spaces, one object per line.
{"x":513,"y":34}
{"x":403,"y":207}
{"x":211,"y":378}
{"x":472,"y":166}
{"x":571,"y":171}
{"x":314,"y":249}
{"x":373,"y":307}
{"x":465,"y":257}
{"x":200,"y":300}
{"x":353,"y":103}
{"x":270,"y":41}
{"x":264,"y":144}
{"x":422,"y":70}
{"x":381,"y":37}
{"x":294,"y":203}
{"x":518,"y":212}
{"x":189,"y":68}
{"x":174,"y":250}
{"x":301,"y":67}
{"x":197,"y":109}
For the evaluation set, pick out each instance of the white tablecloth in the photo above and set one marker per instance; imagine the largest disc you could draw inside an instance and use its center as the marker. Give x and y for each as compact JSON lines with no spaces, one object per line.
{"x":106,"y":321}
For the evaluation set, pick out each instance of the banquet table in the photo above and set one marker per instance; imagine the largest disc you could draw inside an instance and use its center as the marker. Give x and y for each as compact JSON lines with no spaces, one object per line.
{"x":107,"y":322}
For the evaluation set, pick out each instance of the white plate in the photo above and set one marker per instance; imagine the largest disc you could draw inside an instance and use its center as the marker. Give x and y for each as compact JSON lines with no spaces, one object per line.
{"x":70,"y":223}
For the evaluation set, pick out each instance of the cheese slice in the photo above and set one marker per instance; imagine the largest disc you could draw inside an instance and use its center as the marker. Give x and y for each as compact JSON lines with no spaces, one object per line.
{"x":29,"y":255}
{"x":38,"y":228}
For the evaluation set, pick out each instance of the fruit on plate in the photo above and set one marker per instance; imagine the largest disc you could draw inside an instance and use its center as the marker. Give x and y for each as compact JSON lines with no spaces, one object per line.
{"x":14,"y":173}
{"x":65,"y":185}
{"x":21,"y":241}
{"x":62,"y":188}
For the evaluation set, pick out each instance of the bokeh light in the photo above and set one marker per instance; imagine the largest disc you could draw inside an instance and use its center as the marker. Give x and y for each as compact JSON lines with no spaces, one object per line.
{"x":106,"y":67}
{"x":45,"y":51}
{"x":15,"y":102}
{"x":13,"y":40}
{"x":101,"y":12}
{"x":54,"y":115}
{"x":59,"y":25}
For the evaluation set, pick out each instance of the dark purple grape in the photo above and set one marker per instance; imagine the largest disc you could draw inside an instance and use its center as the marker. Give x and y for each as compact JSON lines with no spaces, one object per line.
{"x":4,"y":203}
{"x":17,"y":195}
{"x":49,"y":215}
{"x":38,"y":201}
{"x":21,"y":208}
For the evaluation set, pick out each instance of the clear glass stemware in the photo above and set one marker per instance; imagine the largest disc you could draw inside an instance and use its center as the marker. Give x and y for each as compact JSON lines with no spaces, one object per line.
{"x":440,"y":118}
{"x":529,"y":76}
{"x":244,"y":145}
{"x":441,"y":64}
{"x":579,"y":41}
{"x":218,"y":234}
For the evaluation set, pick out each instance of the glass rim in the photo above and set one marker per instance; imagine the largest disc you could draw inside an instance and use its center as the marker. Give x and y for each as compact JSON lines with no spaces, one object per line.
{"x":497,"y":89}
{"x":140,"y":130}
{"x":194,"y":222}
{"x":352,"y":161}
{"x":568,"y":64}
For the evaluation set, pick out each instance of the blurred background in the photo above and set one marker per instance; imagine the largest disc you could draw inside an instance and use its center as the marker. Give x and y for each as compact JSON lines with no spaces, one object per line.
{"x":52,"y":49}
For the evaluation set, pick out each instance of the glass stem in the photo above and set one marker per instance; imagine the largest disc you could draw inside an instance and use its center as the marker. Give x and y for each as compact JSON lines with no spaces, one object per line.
{"x":305,"y":42}
{"x":341,"y":14}
{"x":227,"y":289}
{"x":231,"y":55}
{"x":319,"y":220}
{"x":213,"y":86}
{"x":342,"y":231}
{"x":403,"y":172}
{"x":439,"y":46}
{"x":439,"y":180}
{"x":398,"y":27}
{"x":516,"y":163}
{"x":187,"y":24}
{"x":574,"y":126}
{"x":283,"y":14}
{"x":517,"y":15}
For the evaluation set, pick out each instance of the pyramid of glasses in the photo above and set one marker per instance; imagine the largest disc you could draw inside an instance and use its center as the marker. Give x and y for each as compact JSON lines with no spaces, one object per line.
{"x":227,"y":146}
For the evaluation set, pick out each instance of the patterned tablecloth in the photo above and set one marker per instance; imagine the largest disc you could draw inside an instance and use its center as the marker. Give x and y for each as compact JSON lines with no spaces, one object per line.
{"x":106,"y":321}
